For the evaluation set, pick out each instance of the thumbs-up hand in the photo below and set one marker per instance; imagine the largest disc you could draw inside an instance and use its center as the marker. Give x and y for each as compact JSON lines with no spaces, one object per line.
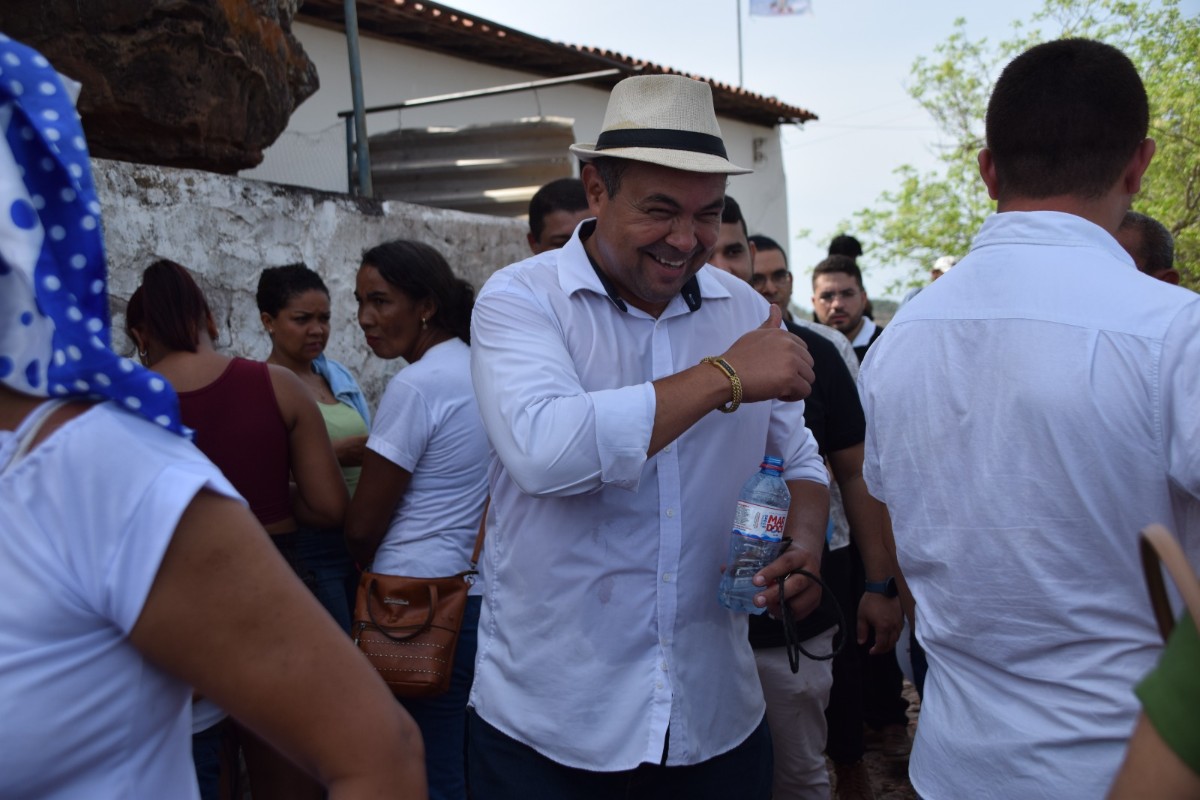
{"x":771,"y":362}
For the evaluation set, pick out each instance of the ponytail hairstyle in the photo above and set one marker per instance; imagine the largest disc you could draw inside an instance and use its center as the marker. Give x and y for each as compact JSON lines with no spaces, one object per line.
{"x":169,"y":307}
{"x":421,"y":272}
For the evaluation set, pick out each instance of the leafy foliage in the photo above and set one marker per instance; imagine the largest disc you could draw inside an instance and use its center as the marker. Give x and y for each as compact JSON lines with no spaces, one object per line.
{"x":937,"y":213}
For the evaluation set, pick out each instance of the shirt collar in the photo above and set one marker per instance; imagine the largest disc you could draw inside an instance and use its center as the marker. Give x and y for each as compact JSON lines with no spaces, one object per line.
{"x":577,"y":271}
{"x":1051,"y":228}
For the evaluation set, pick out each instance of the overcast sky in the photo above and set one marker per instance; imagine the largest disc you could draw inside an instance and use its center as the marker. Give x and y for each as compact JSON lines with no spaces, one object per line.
{"x":849,"y":62}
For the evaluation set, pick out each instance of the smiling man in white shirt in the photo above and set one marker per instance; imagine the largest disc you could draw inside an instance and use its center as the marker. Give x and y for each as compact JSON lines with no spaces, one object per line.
{"x":1059,"y":387}
{"x":606,"y":666}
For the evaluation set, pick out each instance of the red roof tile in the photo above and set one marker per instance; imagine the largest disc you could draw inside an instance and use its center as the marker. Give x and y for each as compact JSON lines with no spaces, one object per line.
{"x":432,"y":26}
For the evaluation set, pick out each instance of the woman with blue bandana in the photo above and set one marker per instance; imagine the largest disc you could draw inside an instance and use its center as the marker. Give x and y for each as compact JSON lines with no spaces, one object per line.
{"x":130,"y":570}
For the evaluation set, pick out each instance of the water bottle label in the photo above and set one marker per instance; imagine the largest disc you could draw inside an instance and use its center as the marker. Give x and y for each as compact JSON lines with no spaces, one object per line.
{"x":759,"y":522}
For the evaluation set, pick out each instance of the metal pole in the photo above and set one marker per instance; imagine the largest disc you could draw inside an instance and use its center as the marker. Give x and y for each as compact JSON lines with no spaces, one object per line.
{"x":741,"y":83}
{"x":493,"y":91}
{"x":356,"y":89}
{"x":351,"y":180}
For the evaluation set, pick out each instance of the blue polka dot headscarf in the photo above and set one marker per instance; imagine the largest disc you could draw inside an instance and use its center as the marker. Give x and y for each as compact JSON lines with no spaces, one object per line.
{"x":55,"y":331}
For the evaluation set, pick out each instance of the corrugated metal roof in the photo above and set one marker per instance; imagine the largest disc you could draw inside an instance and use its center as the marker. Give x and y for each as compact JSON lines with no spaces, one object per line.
{"x":432,"y":26}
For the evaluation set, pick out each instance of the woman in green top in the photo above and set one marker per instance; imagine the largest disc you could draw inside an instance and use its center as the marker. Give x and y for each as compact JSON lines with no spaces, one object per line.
{"x":293,"y":303}
{"x":1163,"y":761}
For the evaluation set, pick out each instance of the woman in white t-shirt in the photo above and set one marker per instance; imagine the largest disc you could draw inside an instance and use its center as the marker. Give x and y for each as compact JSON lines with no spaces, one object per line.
{"x":424,"y":476}
{"x":130,"y":570}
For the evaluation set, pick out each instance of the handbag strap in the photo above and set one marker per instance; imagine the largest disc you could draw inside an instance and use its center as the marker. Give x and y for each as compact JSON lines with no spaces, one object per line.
{"x":433,"y":603}
{"x":479,"y":536}
{"x":1157,"y":545}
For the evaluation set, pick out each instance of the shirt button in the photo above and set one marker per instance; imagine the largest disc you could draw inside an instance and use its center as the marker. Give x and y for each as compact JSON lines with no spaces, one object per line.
{"x":658,"y":684}
{"x":667,"y":449}
{"x":663,"y":666}
{"x":670,"y":512}
{"x":666,"y":577}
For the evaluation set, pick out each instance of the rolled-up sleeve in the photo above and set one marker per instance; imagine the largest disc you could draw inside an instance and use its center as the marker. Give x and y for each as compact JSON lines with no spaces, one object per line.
{"x":553,"y":438}
{"x":788,"y":435}
{"x":1179,"y":380}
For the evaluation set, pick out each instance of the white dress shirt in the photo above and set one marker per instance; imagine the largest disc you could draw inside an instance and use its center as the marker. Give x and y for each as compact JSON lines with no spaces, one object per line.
{"x":601,"y":626}
{"x":1027,"y":415}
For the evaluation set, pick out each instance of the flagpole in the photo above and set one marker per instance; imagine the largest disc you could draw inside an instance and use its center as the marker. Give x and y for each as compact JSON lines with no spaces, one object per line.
{"x":741,"y":82}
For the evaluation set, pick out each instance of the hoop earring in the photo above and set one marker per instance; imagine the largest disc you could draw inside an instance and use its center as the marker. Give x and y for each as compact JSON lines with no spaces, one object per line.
{"x":142,"y":353}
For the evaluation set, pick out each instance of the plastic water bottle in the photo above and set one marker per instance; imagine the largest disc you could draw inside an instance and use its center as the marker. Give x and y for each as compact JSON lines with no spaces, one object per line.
{"x":757,"y":537}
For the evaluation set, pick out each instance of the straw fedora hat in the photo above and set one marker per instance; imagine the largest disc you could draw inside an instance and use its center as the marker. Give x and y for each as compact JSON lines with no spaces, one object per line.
{"x":662,"y":119}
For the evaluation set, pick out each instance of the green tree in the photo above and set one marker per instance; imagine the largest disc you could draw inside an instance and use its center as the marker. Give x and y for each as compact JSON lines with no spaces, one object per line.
{"x":936,"y":213}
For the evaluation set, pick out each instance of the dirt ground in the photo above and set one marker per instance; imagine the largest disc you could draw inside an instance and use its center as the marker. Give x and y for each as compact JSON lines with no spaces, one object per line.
{"x":889,"y":776}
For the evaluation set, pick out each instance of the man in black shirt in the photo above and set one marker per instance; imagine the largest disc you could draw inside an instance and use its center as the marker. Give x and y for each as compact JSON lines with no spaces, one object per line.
{"x":796,"y":702}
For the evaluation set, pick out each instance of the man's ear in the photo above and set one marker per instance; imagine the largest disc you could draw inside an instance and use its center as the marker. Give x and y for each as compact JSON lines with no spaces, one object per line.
{"x":593,"y":187}
{"x":1170,"y":276}
{"x":1136,"y":168}
{"x":987,"y":171}
{"x":533,"y":243}
{"x":753,"y":253}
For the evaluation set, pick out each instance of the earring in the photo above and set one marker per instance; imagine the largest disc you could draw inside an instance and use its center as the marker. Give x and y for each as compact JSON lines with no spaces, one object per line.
{"x":142,"y":353}
{"x":424,"y":323}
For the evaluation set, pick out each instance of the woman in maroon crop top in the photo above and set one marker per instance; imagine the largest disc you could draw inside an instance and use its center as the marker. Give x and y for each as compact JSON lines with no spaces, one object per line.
{"x":254,"y":421}
{"x":260,"y":426}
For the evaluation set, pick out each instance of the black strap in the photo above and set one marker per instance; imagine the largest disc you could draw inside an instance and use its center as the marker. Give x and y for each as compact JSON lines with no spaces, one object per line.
{"x":794,"y":648}
{"x":662,"y":139}
{"x":689,"y":290}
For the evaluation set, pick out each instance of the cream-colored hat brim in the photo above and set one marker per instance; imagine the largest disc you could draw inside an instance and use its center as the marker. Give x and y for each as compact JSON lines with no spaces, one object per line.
{"x":667,"y":120}
{"x":676,"y":159}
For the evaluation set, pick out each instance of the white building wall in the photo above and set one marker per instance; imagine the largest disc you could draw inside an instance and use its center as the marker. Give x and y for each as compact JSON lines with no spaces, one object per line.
{"x":312,"y":151}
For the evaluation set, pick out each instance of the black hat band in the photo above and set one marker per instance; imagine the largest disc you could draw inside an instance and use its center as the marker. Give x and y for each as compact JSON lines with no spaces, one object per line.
{"x":663,"y":139}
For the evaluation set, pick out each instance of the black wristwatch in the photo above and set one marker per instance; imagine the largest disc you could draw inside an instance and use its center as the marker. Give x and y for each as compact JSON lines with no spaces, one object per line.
{"x":887,"y":588}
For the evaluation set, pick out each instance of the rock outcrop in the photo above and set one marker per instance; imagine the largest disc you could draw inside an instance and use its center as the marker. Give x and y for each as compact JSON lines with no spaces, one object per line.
{"x":206,"y":84}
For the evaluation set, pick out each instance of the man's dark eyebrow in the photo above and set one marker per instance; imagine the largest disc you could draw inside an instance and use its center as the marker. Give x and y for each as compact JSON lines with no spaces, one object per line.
{"x":662,"y":198}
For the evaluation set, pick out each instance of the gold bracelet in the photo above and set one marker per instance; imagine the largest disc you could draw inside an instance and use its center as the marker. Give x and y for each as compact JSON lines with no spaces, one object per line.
{"x":734,"y":381}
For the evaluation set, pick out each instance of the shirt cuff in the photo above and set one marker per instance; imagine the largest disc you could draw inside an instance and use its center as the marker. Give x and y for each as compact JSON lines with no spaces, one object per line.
{"x":624,"y":421}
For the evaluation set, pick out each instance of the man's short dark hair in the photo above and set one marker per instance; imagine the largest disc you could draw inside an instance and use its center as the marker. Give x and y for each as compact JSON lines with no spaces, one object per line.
{"x":1064,"y":119}
{"x":765,"y":244}
{"x":837,"y":263}
{"x":564,"y":194}
{"x":733,"y":213}
{"x":845,"y":245}
{"x":1156,"y":250}
{"x":611,"y":171}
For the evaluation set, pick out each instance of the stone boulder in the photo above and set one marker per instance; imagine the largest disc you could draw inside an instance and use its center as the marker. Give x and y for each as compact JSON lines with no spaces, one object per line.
{"x":206,"y":84}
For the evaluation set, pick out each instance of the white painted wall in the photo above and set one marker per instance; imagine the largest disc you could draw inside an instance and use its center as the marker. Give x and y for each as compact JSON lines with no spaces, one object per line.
{"x":226,"y":230}
{"x":312,"y":151}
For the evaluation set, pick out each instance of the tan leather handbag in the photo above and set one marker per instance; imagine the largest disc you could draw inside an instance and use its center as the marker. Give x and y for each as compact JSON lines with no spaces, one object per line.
{"x":408,"y":627}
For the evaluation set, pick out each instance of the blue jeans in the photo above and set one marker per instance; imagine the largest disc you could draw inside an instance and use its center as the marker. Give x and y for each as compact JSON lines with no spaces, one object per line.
{"x":504,"y":769}
{"x":321,"y":560}
{"x":206,"y":754}
{"x":443,"y":719}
